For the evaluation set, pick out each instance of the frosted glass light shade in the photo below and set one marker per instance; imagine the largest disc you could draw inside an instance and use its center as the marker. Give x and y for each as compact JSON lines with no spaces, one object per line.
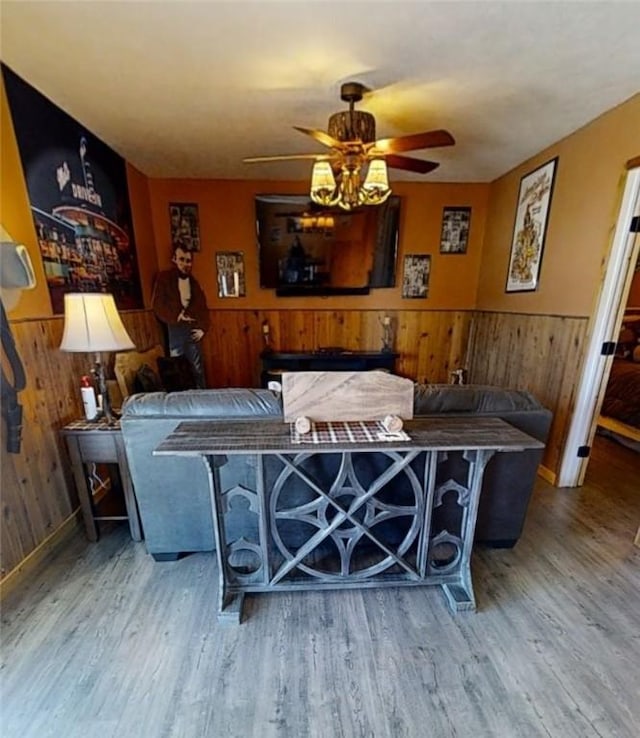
{"x":376,"y":184}
{"x":92,"y":324}
{"x":323,"y":184}
{"x":377,"y":175}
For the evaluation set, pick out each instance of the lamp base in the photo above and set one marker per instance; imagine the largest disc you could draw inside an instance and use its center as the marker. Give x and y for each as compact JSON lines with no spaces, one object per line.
{"x":105,"y":411}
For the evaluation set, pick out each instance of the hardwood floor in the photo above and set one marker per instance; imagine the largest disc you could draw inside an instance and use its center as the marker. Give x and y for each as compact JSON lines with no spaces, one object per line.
{"x":104,"y":641}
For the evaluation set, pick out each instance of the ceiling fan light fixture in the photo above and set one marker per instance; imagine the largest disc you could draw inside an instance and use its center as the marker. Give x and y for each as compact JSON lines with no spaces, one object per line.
{"x":323,"y":184}
{"x":375,"y":188}
{"x":349,"y":192}
{"x":354,"y":149}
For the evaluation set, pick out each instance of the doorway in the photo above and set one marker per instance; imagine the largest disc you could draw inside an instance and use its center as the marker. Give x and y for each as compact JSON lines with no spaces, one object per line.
{"x":604,"y":328}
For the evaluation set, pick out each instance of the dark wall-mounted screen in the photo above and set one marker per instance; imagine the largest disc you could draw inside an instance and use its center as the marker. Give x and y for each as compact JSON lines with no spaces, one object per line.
{"x":307,"y":250}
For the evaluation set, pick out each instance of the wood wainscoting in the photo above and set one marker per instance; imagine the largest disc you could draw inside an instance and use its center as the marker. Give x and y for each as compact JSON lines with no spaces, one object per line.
{"x":539,"y":353}
{"x":431,"y":344}
{"x":38,"y":494}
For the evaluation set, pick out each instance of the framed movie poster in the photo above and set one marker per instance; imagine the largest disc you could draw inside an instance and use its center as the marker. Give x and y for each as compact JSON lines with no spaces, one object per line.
{"x":230,"y":268}
{"x":79,"y":199}
{"x":185,"y":225}
{"x":530,"y":229}
{"x":455,"y":230}
{"x":415,"y":281}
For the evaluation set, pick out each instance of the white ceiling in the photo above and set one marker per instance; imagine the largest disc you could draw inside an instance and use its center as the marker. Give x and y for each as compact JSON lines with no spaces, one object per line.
{"x":187,"y":89}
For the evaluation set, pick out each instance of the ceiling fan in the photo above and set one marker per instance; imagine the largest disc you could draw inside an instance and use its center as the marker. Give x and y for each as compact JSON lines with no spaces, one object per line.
{"x":352,"y":144}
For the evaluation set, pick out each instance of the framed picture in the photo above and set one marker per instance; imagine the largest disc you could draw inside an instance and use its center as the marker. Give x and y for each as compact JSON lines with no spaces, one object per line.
{"x":415,"y":280}
{"x":455,"y":230}
{"x":230,"y":267}
{"x":185,"y":225}
{"x":532,"y":214}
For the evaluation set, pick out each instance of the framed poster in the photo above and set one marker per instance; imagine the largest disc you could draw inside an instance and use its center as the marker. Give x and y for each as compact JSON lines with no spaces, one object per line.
{"x":454,"y":237}
{"x":230,"y":268}
{"x":530,"y":229}
{"x":79,"y":199}
{"x":185,"y":225}
{"x":415,"y":280}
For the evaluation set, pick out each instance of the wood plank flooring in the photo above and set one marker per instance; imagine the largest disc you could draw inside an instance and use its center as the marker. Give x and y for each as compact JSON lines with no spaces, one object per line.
{"x":104,"y":641}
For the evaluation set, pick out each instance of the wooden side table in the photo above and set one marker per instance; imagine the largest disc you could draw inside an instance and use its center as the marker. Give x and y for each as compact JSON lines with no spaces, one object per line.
{"x":99,"y":443}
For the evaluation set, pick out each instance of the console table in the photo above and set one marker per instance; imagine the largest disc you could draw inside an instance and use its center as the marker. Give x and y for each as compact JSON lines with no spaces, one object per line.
{"x":276,"y":362}
{"x":337,"y":515}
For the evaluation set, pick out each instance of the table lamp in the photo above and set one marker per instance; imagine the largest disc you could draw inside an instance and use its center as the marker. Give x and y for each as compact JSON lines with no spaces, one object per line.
{"x":92,"y":324}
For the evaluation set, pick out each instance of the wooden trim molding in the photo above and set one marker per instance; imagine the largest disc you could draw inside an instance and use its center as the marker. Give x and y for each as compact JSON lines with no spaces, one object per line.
{"x":547,"y":474}
{"x":25,"y":568}
{"x":633,"y":163}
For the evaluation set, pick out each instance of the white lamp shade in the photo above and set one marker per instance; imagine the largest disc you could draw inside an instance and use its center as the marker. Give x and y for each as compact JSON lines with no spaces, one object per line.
{"x":92,"y":324}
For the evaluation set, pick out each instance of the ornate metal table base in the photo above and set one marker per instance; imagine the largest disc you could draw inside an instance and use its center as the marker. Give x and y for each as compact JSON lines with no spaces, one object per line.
{"x":399,"y":513}
{"x":357,"y":529}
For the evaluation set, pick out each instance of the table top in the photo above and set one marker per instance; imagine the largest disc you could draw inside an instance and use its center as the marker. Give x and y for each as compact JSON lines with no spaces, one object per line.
{"x":83,"y":426}
{"x":206,"y":437}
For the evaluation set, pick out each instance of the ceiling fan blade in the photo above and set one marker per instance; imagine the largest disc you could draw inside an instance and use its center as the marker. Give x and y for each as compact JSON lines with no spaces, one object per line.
{"x":427,"y":140}
{"x":286,"y":157}
{"x":411,"y":165}
{"x":321,"y":136}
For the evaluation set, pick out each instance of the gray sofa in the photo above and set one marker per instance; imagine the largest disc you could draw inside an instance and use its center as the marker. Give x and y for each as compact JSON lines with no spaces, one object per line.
{"x":173,"y":495}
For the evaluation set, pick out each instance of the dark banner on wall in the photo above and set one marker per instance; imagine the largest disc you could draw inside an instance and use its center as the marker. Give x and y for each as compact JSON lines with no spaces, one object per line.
{"x":77,"y":187}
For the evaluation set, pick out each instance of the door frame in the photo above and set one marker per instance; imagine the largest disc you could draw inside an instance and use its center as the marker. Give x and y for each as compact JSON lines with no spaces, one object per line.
{"x":604,"y":326}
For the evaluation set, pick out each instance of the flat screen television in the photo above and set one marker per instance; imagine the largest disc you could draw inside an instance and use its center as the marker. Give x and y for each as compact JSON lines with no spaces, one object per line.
{"x":305,"y":249}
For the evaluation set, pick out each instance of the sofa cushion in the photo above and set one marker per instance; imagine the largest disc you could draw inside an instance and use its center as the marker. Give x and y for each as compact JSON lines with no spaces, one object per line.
{"x":215,"y":403}
{"x":432,"y":399}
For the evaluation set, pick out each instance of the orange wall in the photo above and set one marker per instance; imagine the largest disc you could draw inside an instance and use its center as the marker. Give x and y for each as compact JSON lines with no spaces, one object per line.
{"x":227,"y":216}
{"x":227,"y":223}
{"x":143,"y":230}
{"x":583,"y":211}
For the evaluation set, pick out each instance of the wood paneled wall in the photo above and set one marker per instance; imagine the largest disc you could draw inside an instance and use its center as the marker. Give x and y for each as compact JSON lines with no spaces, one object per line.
{"x":539,"y":353}
{"x":430,"y":343}
{"x":38,"y":494}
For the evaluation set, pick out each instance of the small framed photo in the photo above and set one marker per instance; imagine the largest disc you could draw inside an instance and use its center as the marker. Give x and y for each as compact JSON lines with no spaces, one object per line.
{"x":185,"y":225}
{"x":454,"y":238}
{"x":275,"y":235}
{"x":415,"y":280}
{"x":230,"y":268}
{"x":530,"y":228}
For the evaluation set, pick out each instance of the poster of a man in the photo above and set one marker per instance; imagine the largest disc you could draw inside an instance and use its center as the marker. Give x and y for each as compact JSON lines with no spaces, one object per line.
{"x":180,"y":303}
